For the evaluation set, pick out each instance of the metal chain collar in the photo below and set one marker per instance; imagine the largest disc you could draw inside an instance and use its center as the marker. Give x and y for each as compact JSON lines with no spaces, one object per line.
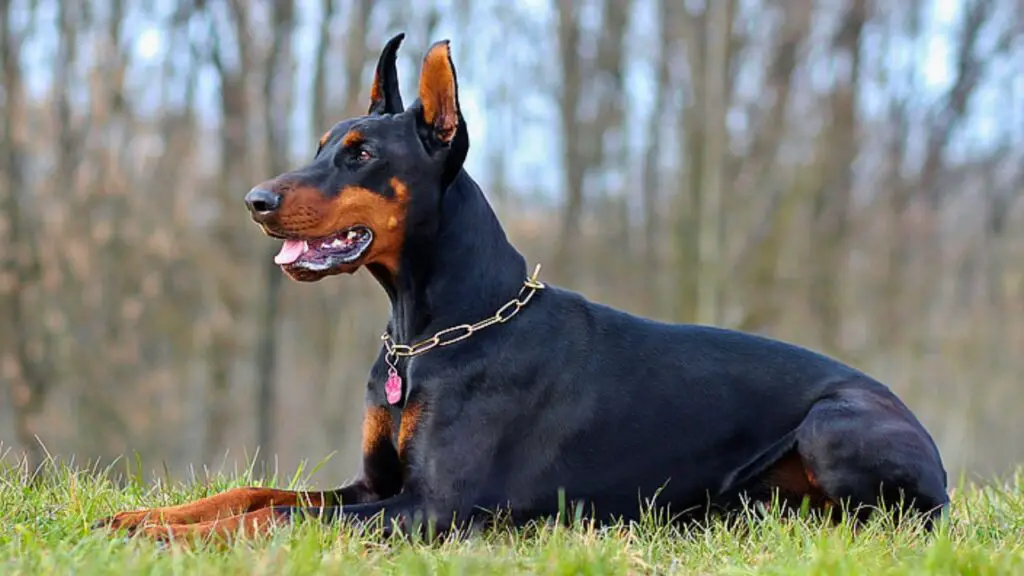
{"x":463,"y":331}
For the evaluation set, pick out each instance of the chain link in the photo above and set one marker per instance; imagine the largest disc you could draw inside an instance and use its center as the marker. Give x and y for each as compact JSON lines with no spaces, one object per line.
{"x":462,"y":331}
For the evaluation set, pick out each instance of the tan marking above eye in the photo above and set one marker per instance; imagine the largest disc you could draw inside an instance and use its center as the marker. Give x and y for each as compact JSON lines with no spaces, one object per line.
{"x":323,"y":139}
{"x":351,"y":138}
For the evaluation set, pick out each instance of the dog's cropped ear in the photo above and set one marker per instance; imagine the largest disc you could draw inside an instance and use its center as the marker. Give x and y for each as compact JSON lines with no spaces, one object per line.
{"x":385,"y":97}
{"x":439,"y":96}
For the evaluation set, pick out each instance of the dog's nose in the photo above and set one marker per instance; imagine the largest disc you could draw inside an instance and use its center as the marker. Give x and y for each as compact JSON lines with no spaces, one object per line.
{"x":262,"y":201}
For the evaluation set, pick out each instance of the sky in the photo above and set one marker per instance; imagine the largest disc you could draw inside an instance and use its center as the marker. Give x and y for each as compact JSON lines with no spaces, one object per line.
{"x":535,"y":153}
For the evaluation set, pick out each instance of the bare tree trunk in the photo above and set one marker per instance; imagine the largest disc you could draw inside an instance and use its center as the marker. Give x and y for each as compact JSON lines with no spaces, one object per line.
{"x":277,"y":82}
{"x":891,"y":325}
{"x":950,"y":115}
{"x":27,"y":386}
{"x":180,"y":129}
{"x":318,"y":118}
{"x":356,"y":54}
{"x":608,"y":130}
{"x":761,"y":250}
{"x":592,"y":85}
{"x":572,"y":157}
{"x":650,"y":181}
{"x":712,"y":188}
{"x":108,"y":194}
{"x":831,"y":203}
{"x":692,"y":33}
{"x":235,"y":159}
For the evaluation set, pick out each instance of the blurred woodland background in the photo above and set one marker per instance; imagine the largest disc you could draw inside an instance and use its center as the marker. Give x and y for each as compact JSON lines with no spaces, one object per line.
{"x":843,"y":174}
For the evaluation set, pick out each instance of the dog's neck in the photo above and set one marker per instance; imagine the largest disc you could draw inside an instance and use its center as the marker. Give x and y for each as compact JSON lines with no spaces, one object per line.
{"x":462,"y":275}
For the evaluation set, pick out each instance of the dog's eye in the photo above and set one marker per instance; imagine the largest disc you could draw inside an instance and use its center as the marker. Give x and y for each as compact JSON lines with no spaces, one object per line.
{"x":353,"y":158}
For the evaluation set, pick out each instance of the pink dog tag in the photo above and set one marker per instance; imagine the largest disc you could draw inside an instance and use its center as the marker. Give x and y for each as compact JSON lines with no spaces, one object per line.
{"x":393,"y":387}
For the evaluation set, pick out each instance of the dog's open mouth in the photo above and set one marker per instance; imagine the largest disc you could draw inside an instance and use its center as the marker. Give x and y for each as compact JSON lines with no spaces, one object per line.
{"x":325,"y":253}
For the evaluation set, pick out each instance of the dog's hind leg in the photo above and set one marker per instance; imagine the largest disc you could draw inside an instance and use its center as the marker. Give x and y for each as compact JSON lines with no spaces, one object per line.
{"x":863,"y":448}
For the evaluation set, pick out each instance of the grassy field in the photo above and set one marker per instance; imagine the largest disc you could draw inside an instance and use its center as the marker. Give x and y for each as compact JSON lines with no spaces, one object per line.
{"x":44,"y":529}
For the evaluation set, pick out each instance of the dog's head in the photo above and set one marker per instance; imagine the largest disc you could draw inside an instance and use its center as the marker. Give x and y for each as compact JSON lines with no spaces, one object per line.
{"x":376,"y":181}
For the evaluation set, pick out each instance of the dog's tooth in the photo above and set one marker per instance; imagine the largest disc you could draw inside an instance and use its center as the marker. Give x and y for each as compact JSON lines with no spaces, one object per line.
{"x":305,"y":246}
{"x":351,"y":235}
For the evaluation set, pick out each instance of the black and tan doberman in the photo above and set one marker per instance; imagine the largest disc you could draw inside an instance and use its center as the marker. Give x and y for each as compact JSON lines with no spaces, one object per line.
{"x":493,"y":391}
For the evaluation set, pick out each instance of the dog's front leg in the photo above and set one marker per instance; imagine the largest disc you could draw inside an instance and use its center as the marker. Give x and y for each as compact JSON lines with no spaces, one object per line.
{"x":217,"y":507}
{"x":406,"y":511}
{"x":381,"y":478}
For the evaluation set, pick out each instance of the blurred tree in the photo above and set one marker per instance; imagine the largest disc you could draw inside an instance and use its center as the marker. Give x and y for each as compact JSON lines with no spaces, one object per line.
{"x":590,"y":102}
{"x":231,"y":42}
{"x":22,"y":360}
{"x":277,"y":96}
{"x":836,"y":156}
{"x":760,"y":253}
{"x":650,"y":182}
{"x":709,"y":189}
{"x":845,"y":175}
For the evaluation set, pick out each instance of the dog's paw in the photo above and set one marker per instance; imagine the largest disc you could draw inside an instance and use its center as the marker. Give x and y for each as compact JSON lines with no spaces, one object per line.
{"x":183,"y":536}
{"x":129,"y":521}
{"x":163,"y":535}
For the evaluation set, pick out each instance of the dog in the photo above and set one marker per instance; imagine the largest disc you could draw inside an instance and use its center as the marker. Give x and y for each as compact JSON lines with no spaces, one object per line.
{"x":493,"y":391}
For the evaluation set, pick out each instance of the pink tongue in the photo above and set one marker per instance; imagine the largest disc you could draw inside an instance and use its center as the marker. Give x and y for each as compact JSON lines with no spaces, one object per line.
{"x":290,"y":252}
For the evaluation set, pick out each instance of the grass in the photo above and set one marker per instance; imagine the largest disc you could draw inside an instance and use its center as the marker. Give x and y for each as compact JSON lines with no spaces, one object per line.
{"x":44,"y":529}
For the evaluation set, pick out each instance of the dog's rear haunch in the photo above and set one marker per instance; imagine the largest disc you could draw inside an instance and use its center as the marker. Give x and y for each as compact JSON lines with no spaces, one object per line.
{"x":493,"y":391}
